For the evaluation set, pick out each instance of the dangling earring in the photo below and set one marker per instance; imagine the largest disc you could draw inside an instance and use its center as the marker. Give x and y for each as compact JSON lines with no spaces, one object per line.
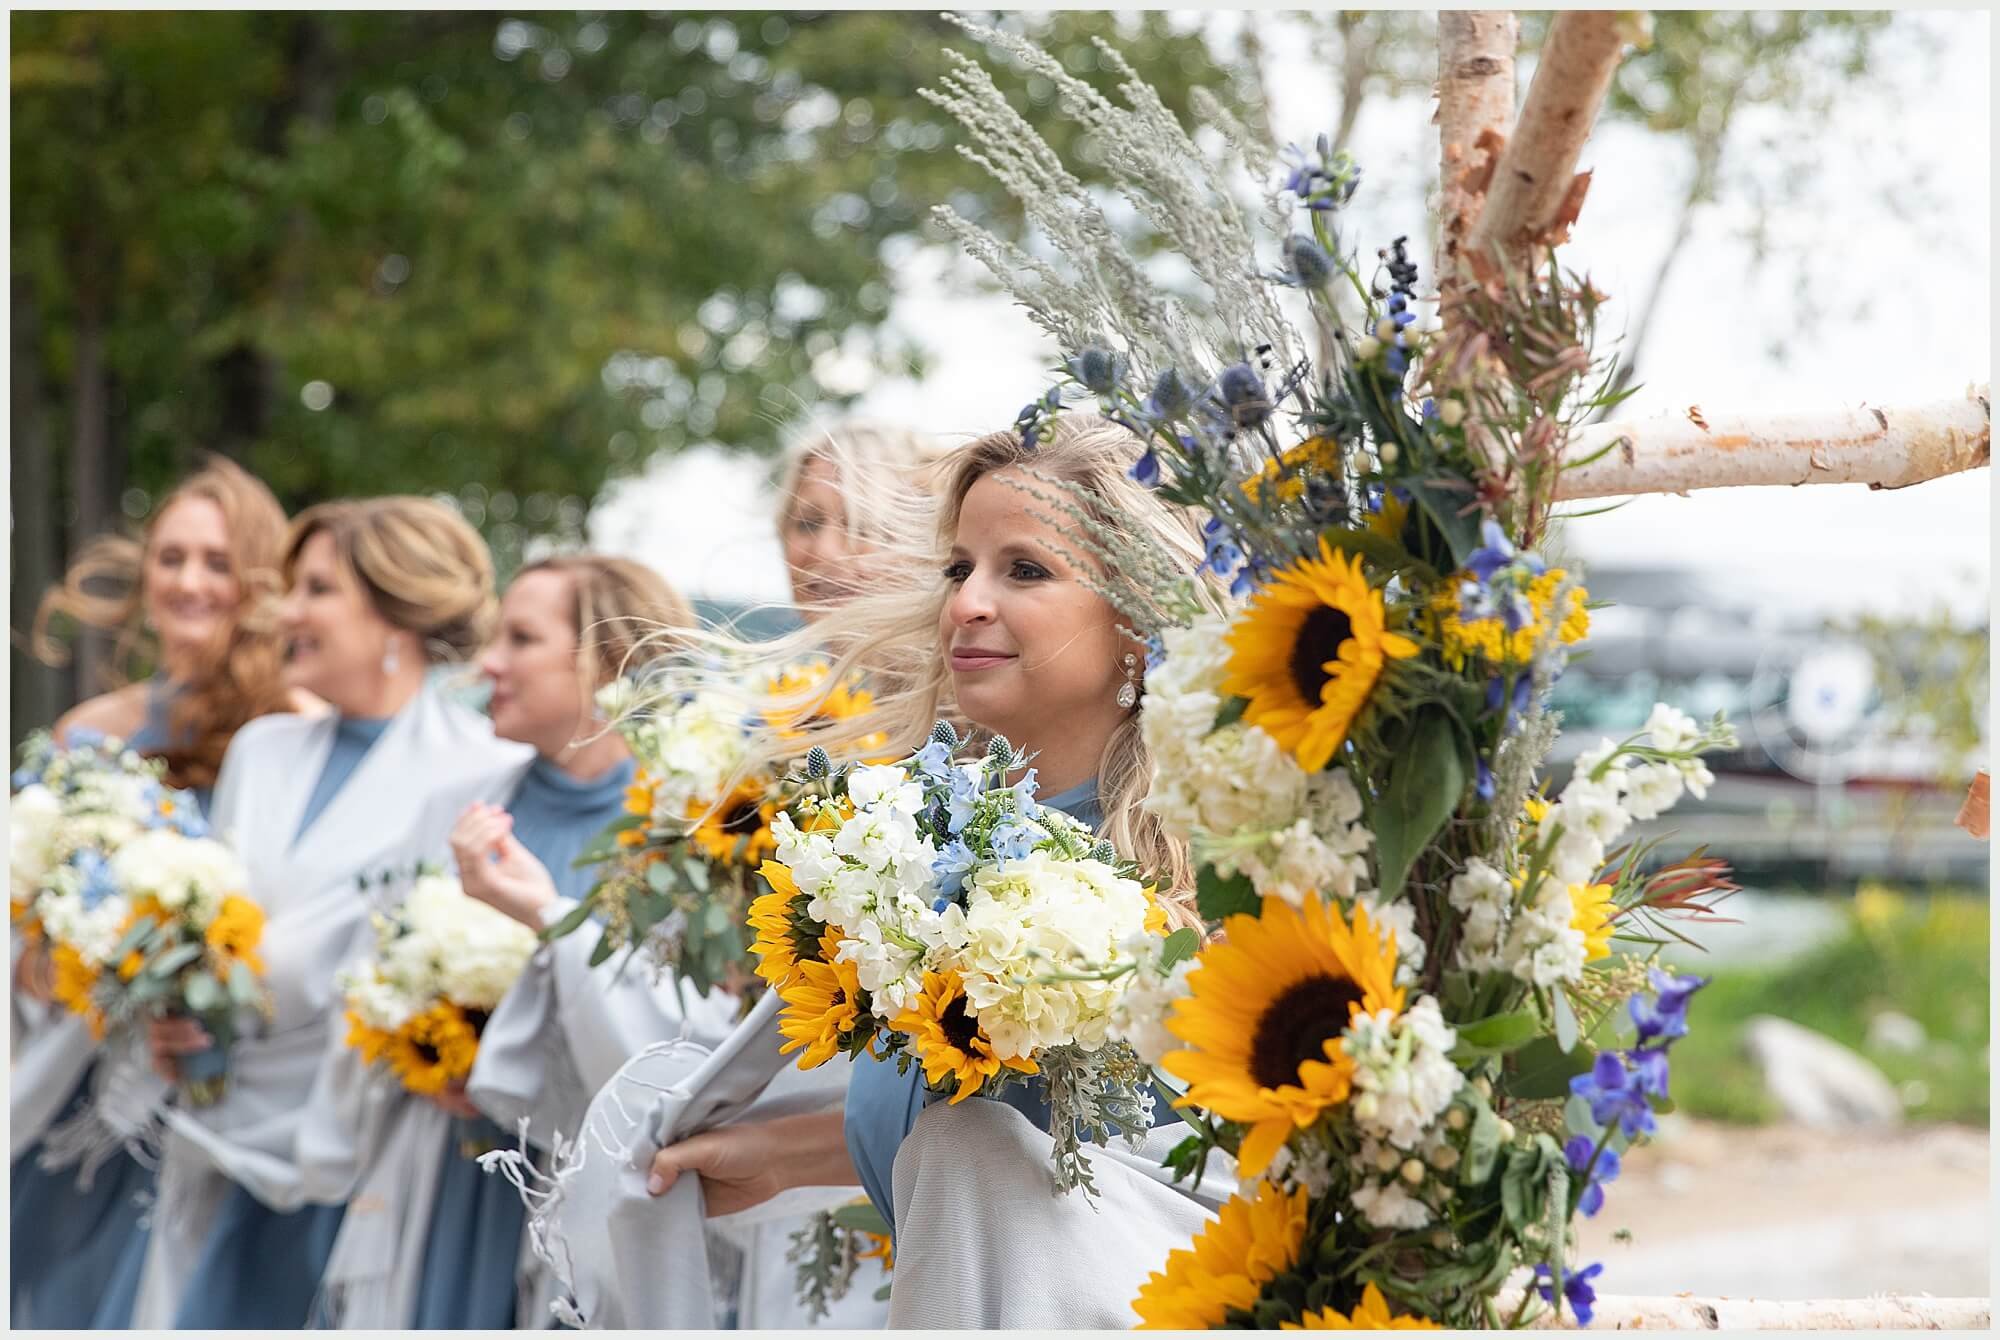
{"x":391,"y":660}
{"x":1128,"y":692}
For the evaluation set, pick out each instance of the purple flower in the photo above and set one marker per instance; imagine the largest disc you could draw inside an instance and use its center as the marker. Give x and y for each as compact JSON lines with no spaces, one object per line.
{"x":1578,"y":1152}
{"x":1649,"y":1068}
{"x":1665,"y":1017}
{"x":1495,"y":554}
{"x":1576,"y":1289}
{"x":1614,"y":1094}
{"x":1482,"y":785}
{"x":1146,"y":470}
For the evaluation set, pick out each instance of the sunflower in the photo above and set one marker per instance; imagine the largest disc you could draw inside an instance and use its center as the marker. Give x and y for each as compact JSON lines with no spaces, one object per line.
{"x":1371,"y":1314}
{"x":369,"y":1041}
{"x":881,"y":1247}
{"x":639,"y":795}
{"x":949,"y":1041}
{"x":1592,"y":911}
{"x":842,"y":701}
{"x":434,"y":1048}
{"x":1267,"y":1004}
{"x":1307,"y":654}
{"x":776,"y":944}
{"x":236,"y":931}
{"x":746,"y":813}
{"x":74,"y":980}
{"x":822,"y":1006}
{"x":1227,"y":1265}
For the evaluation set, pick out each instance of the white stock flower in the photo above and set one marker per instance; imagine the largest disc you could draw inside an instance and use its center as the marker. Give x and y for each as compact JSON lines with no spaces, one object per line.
{"x":1697,"y":776}
{"x":1673,"y":730}
{"x":1543,"y":948}
{"x":1389,"y":1205}
{"x":33,"y":819}
{"x":1404,"y":1077}
{"x":1652,"y":789}
{"x":1140,"y":1017}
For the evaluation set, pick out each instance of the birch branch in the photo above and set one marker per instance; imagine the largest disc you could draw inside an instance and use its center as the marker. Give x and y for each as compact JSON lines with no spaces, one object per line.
{"x":1682,"y":1313}
{"x":1535,"y":194}
{"x":1884,"y":448}
{"x":1475,"y":93}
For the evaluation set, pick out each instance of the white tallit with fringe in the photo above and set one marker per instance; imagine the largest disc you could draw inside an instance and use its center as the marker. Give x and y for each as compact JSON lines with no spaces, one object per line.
{"x":314,"y":909}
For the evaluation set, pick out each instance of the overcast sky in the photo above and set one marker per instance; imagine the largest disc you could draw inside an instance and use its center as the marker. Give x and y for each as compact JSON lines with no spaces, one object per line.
{"x":1909,"y":320}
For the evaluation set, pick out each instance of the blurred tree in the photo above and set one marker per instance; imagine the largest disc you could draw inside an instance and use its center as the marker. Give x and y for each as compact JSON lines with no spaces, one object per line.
{"x":503,"y":258}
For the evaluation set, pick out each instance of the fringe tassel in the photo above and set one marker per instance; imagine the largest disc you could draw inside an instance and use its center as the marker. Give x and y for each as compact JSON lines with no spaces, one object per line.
{"x":542,"y":1194}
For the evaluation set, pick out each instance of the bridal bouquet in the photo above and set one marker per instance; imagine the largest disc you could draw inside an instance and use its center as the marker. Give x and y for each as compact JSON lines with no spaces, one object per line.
{"x":679,"y":870}
{"x":923,"y":911}
{"x":441,"y":963}
{"x":144,"y":914}
{"x":1430,"y":1022}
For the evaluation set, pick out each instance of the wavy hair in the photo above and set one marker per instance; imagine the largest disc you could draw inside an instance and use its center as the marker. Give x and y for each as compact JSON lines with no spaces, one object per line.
{"x":423,"y":568}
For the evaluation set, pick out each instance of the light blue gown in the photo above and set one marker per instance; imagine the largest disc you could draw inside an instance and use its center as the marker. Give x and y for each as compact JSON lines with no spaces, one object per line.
{"x":474,"y":1239}
{"x":882,"y":1105}
{"x":260,"y":1268}
{"x":68,"y":1241}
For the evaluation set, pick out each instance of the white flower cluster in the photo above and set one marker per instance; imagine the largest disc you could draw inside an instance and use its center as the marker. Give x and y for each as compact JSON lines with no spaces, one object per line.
{"x":687,"y":750}
{"x":1531,"y":933}
{"x":1139,"y":1019}
{"x":189,"y":877}
{"x":439,"y":945}
{"x":1404,"y":1077}
{"x":1244,"y":803}
{"x":1025,"y":915}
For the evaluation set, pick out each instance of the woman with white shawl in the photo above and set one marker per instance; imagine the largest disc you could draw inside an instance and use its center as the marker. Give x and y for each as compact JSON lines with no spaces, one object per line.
{"x":318,"y":809}
{"x":1020,"y":639}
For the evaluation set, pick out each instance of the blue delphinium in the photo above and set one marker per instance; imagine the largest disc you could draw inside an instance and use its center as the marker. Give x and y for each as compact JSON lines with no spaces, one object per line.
{"x":1577,"y":1290}
{"x":1580,"y":1151}
{"x":96,"y":882}
{"x":1013,"y":839}
{"x":1613,"y":1092}
{"x":952,"y":866}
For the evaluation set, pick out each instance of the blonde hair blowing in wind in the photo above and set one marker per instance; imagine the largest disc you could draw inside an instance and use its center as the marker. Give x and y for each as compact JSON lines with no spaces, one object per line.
{"x":875,"y":461}
{"x":890,"y":633}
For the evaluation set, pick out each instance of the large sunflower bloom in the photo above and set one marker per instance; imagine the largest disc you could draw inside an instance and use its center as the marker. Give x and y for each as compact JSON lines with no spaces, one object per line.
{"x":433,"y":1048}
{"x":949,"y":1041}
{"x":1371,"y":1314}
{"x":1263,"y":1016}
{"x":1227,"y":1265}
{"x":822,"y":1005}
{"x":237,"y":930}
{"x":369,"y":1041}
{"x":745,"y":814}
{"x":771,"y":923}
{"x":1307,"y":654}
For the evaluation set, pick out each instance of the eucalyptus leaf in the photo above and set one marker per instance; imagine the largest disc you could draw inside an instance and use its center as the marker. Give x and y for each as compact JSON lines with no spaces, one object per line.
{"x":171,"y":962}
{"x":861,"y":1218}
{"x":204,"y":993}
{"x":1577,"y":1118}
{"x":1500,"y":1033}
{"x":569,"y":921}
{"x":1183,"y":943}
{"x":243,"y":984}
{"x":1566,"y":1025}
{"x":1482,"y":1148}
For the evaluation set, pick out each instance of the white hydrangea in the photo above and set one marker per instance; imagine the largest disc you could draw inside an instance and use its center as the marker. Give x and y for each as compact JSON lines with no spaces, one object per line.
{"x":94,"y":932}
{"x":1205,"y":780}
{"x":34,"y":819}
{"x":188,"y":876}
{"x":690,"y":751}
{"x":378,"y":1004}
{"x":442,"y":944}
{"x":1039,"y":915}
{"x":1322,"y":852}
{"x":1140,"y":1017}
{"x":1404,"y":1077}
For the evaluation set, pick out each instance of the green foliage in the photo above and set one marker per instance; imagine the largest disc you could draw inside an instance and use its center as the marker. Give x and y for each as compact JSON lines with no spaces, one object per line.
{"x":505,"y":259}
{"x":1927,"y":958}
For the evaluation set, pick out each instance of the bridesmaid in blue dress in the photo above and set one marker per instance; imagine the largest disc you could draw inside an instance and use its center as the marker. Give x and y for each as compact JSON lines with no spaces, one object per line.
{"x":194,"y":582}
{"x":380,"y":590}
{"x":568,"y":626}
{"x":1027,"y":648}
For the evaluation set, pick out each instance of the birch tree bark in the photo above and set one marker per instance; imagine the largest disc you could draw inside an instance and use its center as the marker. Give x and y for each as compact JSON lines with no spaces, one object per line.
{"x":1885,"y":448}
{"x":1475,"y":93}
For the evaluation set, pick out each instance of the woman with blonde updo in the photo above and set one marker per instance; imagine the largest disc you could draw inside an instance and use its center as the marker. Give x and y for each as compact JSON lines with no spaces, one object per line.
{"x":193,"y":598}
{"x":320,"y":808}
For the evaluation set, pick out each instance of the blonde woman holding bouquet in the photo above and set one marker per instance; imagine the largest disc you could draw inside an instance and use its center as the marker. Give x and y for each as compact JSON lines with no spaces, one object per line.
{"x":193,"y":596}
{"x":1011,"y":632}
{"x":380,"y":591}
